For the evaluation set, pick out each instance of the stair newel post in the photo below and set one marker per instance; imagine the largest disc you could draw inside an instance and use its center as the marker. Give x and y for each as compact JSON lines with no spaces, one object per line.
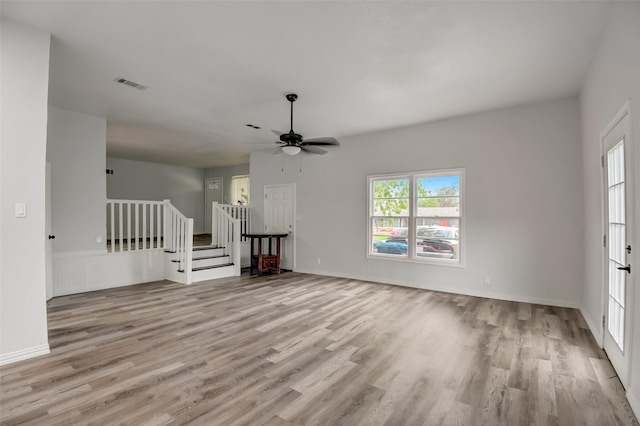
{"x":189,"y":250}
{"x":236,"y":247}
{"x":181,"y":225}
{"x":214,"y":223}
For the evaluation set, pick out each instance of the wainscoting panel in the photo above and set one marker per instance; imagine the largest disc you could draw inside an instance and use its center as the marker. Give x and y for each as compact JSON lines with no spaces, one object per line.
{"x":88,"y":271}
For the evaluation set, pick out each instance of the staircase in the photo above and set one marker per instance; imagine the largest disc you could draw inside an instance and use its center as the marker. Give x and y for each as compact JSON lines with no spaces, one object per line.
{"x":159,"y":229}
{"x":208,"y":262}
{"x":219,"y":259}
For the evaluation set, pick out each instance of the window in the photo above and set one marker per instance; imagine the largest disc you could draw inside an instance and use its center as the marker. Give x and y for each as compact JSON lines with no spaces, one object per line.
{"x":417,"y":217}
{"x":240,"y":190}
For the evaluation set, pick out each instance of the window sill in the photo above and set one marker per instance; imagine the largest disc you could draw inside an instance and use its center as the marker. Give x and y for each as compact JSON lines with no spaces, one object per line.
{"x":418,"y":261}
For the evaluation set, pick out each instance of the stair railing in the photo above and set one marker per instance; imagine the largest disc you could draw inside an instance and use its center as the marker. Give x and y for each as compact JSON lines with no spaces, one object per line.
{"x":178,"y":231}
{"x":243,"y":214}
{"x":226,"y":232}
{"x":135,"y":225}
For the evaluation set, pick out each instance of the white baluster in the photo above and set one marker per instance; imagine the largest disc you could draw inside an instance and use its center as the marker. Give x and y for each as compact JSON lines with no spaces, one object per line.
{"x":144,"y":226}
{"x":112,"y":222}
{"x":151,"y":209}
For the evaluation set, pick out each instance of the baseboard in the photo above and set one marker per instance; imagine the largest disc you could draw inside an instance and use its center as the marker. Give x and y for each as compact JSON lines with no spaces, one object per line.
{"x":487,"y":295}
{"x":596,"y":332}
{"x":24,"y":354}
{"x":65,"y":254}
{"x":633,"y":403}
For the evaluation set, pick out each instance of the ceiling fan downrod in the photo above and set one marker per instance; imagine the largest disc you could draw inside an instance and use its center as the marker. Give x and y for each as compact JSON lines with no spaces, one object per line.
{"x":291,"y":97}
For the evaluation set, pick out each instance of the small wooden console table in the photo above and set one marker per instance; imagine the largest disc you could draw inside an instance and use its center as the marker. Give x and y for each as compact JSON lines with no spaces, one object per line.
{"x":265,"y":262}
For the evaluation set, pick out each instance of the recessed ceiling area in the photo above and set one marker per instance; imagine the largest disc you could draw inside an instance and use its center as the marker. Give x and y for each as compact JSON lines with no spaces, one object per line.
{"x":210,"y":68}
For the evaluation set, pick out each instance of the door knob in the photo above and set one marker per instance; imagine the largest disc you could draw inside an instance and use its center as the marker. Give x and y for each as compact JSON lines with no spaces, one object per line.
{"x":625,"y":268}
{"x":52,"y":237}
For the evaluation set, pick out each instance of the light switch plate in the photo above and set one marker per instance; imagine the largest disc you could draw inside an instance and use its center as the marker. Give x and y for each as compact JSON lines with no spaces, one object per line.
{"x":21,"y":210}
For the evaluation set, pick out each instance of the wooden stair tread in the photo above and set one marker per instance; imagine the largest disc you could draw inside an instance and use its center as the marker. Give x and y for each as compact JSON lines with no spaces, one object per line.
{"x":202,"y":268}
{"x":200,"y":248}
{"x":203,"y":258}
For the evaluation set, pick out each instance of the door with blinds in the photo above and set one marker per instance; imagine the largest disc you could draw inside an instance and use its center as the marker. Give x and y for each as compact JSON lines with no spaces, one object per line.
{"x":618,"y":199}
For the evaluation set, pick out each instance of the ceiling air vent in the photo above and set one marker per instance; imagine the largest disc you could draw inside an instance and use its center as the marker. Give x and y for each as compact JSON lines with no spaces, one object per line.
{"x":129,"y":83}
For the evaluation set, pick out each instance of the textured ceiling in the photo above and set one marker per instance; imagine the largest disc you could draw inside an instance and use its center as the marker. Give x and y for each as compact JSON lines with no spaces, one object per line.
{"x":212,"y":67}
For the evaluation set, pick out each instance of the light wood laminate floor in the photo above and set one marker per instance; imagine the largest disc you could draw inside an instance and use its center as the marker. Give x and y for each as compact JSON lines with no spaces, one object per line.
{"x":299,"y":349}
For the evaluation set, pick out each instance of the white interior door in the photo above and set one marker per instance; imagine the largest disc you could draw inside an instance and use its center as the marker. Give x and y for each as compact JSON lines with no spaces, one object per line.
{"x":48,"y":251}
{"x":213,"y":191}
{"x":618,"y":198}
{"x":279,"y":217}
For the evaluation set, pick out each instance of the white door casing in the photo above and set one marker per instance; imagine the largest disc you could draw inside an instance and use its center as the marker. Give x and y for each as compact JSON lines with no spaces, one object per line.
{"x":618,"y":204}
{"x":48,"y":252}
{"x":279,"y":217}
{"x":213,"y":191}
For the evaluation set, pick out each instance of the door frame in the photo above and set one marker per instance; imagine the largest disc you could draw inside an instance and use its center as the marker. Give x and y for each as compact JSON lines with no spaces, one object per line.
{"x":293,"y":217}
{"x":630,"y":204}
{"x":48,"y":231}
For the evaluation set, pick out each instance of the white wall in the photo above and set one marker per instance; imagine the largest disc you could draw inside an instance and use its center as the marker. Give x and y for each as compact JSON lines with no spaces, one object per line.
{"x":227,"y":173}
{"x":523,"y":201}
{"x":76,"y":148}
{"x":138,"y":180}
{"x":614,"y":78}
{"x":23,"y":110}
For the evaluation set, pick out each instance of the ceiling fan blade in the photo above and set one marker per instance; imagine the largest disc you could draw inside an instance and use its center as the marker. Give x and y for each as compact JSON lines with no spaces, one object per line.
{"x":277,"y":132}
{"x":313,"y":150}
{"x":320,"y":141}
{"x":277,"y":151}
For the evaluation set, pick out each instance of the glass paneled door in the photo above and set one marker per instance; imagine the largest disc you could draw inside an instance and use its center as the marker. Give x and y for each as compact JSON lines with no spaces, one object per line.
{"x":618,"y":224}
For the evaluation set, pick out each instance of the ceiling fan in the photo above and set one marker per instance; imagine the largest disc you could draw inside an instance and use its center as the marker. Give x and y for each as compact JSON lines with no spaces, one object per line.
{"x":292,"y":143}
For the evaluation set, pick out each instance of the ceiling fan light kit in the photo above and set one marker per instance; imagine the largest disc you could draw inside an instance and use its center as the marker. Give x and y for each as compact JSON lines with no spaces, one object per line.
{"x":291,"y":149}
{"x":292,"y":143}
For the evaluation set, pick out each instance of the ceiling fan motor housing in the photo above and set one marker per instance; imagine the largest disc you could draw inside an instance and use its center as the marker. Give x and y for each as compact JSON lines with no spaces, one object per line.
{"x":291,"y":138}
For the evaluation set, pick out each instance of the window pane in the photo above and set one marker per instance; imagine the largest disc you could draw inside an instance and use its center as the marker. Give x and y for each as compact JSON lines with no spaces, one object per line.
{"x":437,"y":238}
{"x":438,"y":196}
{"x":395,"y":207}
{"x":391,"y":197}
{"x":426,"y":202}
{"x":430,"y":186}
{"x":389,"y":236}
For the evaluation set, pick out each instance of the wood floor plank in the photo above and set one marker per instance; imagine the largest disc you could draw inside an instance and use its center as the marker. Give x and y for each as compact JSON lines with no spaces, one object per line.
{"x":299,"y":349}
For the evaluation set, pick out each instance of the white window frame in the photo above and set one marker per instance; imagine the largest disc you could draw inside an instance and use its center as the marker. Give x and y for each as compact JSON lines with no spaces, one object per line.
{"x":412,"y":256}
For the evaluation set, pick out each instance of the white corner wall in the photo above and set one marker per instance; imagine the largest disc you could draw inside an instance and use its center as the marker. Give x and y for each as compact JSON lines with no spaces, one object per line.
{"x":23,"y":110}
{"x":523,"y":201}
{"x":76,"y":149}
{"x":139,"y":180}
{"x":613,"y":79}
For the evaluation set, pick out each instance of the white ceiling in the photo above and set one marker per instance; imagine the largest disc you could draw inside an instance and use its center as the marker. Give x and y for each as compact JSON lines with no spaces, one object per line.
{"x":211,"y":67}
